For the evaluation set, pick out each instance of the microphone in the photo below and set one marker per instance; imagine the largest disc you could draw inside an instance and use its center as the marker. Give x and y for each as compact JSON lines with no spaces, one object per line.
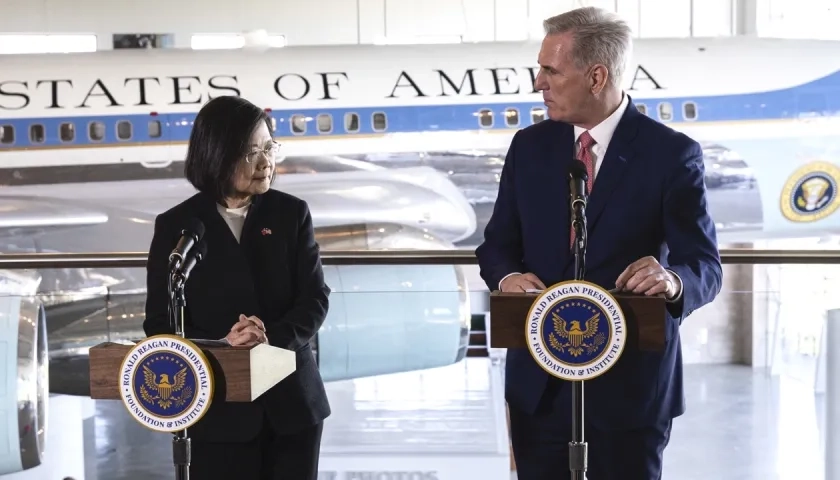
{"x":578,"y":176}
{"x":578,"y":197}
{"x":177,"y":281}
{"x":190,"y":235}
{"x":198,"y":254}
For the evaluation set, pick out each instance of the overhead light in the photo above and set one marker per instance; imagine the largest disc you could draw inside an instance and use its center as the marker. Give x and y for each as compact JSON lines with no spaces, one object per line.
{"x":216,"y":42}
{"x":418,"y":40}
{"x":261,"y":38}
{"x":35,"y":43}
{"x":234,"y":41}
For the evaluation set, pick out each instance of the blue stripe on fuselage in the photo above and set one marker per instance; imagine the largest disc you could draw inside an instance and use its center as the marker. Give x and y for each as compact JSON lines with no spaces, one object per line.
{"x":819,"y":98}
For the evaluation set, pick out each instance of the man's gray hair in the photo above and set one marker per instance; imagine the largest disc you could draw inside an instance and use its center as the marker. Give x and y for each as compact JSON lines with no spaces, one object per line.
{"x":601,"y":37}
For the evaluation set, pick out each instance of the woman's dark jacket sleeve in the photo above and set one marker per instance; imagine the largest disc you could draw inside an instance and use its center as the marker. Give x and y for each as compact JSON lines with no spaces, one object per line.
{"x":300,"y":324}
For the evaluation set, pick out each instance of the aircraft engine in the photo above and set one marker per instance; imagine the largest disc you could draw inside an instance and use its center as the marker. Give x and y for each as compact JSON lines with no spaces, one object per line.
{"x":24,"y":379}
{"x":394,"y":318}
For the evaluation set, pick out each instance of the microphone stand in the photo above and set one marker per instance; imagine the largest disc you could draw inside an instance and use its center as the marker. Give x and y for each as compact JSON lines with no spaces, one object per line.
{"x":577,"y":447}
{"x":181,"y":448}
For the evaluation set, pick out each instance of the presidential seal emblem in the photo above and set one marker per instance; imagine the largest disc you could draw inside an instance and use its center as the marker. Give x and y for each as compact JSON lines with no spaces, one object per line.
{"x":576,"y":330}
{"x":811,"y":193}
{"x":166,"y":383}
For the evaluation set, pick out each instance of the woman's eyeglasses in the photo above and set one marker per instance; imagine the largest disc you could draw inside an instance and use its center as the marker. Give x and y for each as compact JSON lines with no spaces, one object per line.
{"x":270,"y":151}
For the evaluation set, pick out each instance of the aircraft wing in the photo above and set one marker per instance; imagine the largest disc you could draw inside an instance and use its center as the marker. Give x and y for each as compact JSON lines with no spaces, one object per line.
{"x":25,"y":216}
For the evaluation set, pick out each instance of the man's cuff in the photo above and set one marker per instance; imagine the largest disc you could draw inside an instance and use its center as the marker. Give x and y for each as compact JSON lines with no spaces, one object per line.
{"x":678,"y":296}
{"x":506,"y":276}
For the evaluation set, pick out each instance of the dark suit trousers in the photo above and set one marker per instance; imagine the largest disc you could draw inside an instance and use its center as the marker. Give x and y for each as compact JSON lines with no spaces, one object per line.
{"x":267,"y":457}
{"x":541,"y":444}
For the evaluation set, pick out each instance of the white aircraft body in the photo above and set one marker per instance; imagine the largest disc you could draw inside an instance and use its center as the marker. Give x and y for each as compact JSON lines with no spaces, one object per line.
{"x":765,"y":109}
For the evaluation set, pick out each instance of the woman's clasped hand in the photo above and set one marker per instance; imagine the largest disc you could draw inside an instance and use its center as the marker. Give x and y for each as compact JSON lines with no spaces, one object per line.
{"x":247,"y":331}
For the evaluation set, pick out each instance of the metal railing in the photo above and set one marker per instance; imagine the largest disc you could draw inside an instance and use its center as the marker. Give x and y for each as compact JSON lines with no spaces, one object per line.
{"x":737,"y":256}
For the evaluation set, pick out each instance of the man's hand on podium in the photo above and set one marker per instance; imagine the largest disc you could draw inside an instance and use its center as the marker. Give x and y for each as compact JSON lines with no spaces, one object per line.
{"x":247,"y":331}
{"x":648,"y":277}
{"x":521,"y":282}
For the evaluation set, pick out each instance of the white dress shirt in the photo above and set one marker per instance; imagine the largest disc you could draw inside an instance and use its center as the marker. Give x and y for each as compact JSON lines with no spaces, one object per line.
{"x":602,"y":134}
{"x":235,"y":218}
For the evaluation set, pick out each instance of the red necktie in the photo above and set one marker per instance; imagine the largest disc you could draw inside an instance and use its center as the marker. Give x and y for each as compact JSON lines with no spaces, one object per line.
{"x":585,"y":155}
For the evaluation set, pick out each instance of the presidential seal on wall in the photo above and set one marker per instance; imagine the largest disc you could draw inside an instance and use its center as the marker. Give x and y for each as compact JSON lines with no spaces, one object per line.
{"x":576,"y":330}
{"x":166,"y":383}
{"x":811,"y":193}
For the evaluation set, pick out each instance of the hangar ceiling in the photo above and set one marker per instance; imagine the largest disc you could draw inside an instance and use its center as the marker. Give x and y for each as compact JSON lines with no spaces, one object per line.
{"x":102,"y":24}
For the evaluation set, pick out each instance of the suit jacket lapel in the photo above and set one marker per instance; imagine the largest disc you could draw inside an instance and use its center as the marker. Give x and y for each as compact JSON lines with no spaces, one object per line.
{"x":250,"y":221}
{"x":213,"y":221}
{"x":561,"y":148}
{"x":237,"y":258}
{"x":619,"y":155}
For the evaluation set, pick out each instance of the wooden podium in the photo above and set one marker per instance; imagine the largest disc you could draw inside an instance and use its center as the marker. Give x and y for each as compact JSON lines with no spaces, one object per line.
{"x":240,"y":374}
{"x":645,"y":317}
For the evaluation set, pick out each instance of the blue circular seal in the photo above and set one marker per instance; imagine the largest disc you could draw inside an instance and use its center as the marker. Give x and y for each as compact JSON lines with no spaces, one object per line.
{"x":576,"y":330}
{"x":811,"y":193}
{"x":166,"y":383}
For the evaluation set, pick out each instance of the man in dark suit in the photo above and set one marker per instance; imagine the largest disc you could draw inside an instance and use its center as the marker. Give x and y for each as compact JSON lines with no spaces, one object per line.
{"x":261,"y":281}
{"x":649,"y":232}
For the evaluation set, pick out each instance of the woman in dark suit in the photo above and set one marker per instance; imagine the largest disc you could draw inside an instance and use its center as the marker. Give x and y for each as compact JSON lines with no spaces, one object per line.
{"x":261,"y":281}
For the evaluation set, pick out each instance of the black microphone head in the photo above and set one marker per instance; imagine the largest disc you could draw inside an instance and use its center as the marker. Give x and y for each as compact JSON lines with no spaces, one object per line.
{"x":578,"y":170}
{"x":200,"y":251}
{"x":195,"y":227}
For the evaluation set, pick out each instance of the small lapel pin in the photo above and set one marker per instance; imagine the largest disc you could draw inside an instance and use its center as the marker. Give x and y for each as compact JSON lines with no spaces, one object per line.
{"x":266,"y":231}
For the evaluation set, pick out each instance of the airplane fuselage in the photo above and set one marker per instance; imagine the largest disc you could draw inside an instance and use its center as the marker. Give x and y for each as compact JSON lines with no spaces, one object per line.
{"x":771,"y":104}
{"x":344,"y":100}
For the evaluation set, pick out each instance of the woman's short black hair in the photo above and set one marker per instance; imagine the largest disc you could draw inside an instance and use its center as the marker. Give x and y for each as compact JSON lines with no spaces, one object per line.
{"x":218,"y":141}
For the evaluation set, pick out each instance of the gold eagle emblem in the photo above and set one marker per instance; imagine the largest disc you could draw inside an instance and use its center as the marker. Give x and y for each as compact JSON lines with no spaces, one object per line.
{"x":165,"y":388}
{"x":575,"y":336}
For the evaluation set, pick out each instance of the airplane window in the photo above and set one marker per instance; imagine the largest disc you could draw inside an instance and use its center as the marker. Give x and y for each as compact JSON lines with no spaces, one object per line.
{"x":351,"y":122}
{"x":124,"y":130}
{"x":537,"y":115}
{"x":380,"y":122}
{"x":7,"y":134}
{"x":67,"y":132}
{"x":511,"y":117}
{"x":666,"y":111}
{"x":96,"y":131}
{"x":37,"y":134}
{"x":485,"y":117}
{"x":690,"y":110}
{"x":155,"y":131}
{"x":273,"y":122}
{"x":324,"y":123}
{"x":298,"y":124}
{"x":642,"y":108}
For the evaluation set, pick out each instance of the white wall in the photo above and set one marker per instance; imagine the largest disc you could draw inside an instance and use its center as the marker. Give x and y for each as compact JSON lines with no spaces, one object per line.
{"x":799,"y":18}
{"x":349,"y":21}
